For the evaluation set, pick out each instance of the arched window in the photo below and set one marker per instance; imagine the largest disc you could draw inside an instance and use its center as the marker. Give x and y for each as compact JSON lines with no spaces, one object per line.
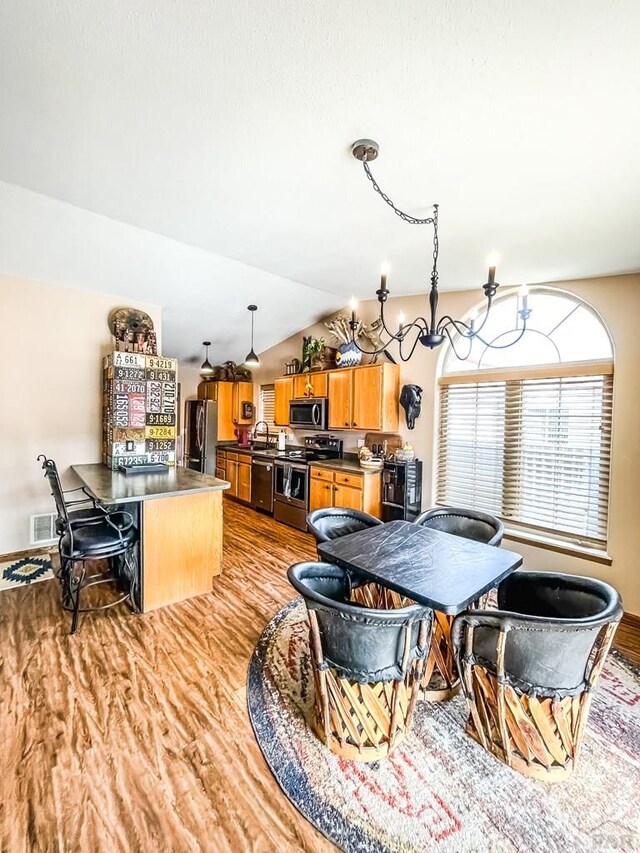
{"x":525,"y":431}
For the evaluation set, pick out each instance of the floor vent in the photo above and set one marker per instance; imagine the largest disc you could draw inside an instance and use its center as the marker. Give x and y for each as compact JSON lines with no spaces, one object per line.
{"x":43,"y":528}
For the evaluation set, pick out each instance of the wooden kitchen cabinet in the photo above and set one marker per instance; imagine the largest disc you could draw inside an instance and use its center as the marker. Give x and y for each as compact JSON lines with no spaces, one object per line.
{"x":352,"y":490}
{"x":283,"y":394}
{"x":243,"y":490}
{"x":242,"y":393}
{"x":340,"y":388}
{"x":365,"y":398}
{"x":317,"y":381}
{"x":232,"y":475}
{"x":223,"y":394}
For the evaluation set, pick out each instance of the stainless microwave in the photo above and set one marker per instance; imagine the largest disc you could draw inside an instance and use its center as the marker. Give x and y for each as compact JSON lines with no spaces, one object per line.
{"x":309,"y":413}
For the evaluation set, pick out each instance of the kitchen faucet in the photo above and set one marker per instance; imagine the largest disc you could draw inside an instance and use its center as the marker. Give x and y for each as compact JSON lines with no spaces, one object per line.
{"x":255,"y":430}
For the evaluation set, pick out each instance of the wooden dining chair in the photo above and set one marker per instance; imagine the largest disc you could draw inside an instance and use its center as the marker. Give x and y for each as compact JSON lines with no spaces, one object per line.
{"x":530,"y":667}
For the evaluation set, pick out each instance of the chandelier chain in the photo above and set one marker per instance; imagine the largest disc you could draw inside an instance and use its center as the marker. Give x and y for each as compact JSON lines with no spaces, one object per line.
{"x":412,"y":220}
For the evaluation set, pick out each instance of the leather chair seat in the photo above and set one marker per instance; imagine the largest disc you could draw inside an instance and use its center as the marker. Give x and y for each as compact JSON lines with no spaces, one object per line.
{"x":101,"y":539}
{"x":332,"y":522}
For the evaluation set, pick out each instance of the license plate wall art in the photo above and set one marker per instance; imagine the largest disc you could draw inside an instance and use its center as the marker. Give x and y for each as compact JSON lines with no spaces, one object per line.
{"x":140,"y":416}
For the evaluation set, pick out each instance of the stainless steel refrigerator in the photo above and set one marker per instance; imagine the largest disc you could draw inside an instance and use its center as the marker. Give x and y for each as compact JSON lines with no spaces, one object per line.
{"x":201,"y":435}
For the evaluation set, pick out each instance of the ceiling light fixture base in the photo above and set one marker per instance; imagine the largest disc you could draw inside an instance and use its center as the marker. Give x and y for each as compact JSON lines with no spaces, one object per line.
{"x":365,"y":149}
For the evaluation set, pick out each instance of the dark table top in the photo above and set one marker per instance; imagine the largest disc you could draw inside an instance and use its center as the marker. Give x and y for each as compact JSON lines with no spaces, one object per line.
{"x":435,"y":569}
{"x":114,"y":487}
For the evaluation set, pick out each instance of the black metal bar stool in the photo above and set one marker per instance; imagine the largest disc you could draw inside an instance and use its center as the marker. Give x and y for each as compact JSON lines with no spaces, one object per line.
{"x":92,"y":534}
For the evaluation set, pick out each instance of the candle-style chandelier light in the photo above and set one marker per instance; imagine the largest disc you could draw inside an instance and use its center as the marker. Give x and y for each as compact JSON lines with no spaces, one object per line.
{"x":434,"y":332}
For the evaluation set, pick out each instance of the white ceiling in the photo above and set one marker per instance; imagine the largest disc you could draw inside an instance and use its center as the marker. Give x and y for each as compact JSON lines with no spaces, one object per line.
{"x":226,"y":126}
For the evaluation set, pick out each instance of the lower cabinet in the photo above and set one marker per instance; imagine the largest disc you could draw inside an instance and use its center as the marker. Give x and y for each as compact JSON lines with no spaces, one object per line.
{"x":236,"y":468}
{"x":350,"y":490}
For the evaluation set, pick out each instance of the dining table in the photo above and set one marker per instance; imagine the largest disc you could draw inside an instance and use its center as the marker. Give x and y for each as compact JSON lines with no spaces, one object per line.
{"x":434,"y":568}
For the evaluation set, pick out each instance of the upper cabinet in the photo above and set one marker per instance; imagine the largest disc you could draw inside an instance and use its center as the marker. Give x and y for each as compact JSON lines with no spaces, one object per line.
{"x":365,"y":398}
{"x":283,"y":394}
{"x":310,"y":384}
{"x":243,"y":403}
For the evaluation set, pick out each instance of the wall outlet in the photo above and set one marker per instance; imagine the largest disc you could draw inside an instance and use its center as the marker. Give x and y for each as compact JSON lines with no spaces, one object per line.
{"x":361,"y":442}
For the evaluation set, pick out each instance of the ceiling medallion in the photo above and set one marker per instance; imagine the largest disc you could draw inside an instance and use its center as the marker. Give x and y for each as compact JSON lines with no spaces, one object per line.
{"x":434,"y":332}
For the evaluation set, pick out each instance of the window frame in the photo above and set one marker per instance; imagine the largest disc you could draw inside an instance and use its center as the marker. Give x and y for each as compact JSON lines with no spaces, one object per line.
{"x":556,"y":540}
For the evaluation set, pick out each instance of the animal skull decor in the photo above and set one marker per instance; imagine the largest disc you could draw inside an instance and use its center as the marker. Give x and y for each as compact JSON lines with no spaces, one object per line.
{"x":411,"y":401}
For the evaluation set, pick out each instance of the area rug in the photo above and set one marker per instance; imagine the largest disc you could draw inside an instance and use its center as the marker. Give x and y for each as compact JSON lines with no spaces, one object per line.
{"x":440,"y":790}
{"x":27,"y":570}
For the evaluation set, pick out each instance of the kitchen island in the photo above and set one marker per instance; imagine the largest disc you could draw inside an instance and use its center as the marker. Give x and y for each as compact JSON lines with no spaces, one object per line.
{"x":179,"y":516}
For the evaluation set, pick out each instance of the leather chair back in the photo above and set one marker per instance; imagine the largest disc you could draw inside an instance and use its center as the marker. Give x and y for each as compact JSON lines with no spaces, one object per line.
{"x":551,"y":621}
{"x":360,"y":643}
{"x":468,"y":523}
{"x":333,"y":522}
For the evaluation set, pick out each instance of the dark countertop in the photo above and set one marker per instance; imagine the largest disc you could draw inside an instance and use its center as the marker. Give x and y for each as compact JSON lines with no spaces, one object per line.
{"x":351,"y":466}
{"x":114,"y":487}
{"x":433,"y":568}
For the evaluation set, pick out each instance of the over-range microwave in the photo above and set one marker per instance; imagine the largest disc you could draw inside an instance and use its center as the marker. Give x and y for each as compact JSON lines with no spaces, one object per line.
{"x":309,"y":413}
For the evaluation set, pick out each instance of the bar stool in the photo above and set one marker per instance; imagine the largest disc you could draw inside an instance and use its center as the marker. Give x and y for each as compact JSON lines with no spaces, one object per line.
{"x":367,"y":663}
{"x":441,"y":680}
{"x":530,"y":667}
{"x":88,"y":535}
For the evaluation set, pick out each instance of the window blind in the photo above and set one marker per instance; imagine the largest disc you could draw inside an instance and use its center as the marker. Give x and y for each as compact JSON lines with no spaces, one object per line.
{"x":267,"y":405}
{"x":535,"y":451}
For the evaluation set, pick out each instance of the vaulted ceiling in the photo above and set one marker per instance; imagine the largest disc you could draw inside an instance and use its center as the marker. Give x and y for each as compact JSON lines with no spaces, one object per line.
{"x":196,"y":153}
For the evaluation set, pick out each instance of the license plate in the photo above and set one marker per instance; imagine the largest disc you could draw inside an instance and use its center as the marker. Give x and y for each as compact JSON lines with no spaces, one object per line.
{"x":170,"y":457}
{"x":125,"y":386}
{"x":154,"y":396}
{"x":124,"y":435}
{"x":128,"y":461}
{"x":168,"y":397}
{"x":160,"y":432}
{"x":119,"y":448}
{"x":158,"y":445}
{"x":157,"y":362}
{"x":136,"y":374}
{"x":121,"y":410}
{"x":128,"y":359}
{"x":160,"y":419}
{"x":155,"y":375}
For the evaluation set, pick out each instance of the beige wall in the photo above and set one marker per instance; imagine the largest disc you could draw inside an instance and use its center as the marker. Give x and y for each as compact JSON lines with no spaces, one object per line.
{"x":52,"y":340}
{"x":617,"y":299}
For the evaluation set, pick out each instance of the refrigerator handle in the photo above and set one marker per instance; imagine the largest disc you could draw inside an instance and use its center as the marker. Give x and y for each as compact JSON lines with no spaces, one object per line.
{"x":200,"y":429}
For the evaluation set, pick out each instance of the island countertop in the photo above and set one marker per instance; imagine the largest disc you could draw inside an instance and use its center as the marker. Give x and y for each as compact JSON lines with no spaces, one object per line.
{"x":114,"y":487}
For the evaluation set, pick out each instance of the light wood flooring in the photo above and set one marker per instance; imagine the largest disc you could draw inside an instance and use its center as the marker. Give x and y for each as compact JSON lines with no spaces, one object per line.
{"x":133,"y":735}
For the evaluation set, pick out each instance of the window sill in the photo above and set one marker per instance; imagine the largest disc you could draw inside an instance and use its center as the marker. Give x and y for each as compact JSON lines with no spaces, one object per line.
{"x":538,"y":541}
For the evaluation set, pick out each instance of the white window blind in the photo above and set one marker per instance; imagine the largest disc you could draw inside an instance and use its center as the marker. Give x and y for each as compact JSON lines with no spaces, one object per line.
{"x":267,"y":404}
{"x":535,"y":451}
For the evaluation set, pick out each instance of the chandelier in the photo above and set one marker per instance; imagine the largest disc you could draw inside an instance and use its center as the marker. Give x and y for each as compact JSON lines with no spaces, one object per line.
{"x":434,"y":332}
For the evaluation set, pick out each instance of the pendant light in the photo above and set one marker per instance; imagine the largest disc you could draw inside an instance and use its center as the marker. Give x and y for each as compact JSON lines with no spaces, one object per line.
{"x":252,"y":358}
{"x":207,"y":368}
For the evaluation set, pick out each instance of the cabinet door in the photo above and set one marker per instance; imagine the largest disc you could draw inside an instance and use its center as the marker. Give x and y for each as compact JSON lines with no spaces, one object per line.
{"x":283,"y":394}
{"x":347,"y":496}
{"x":320,"y":494}
{"x":340,"y":398}
{"x":244,"y":482}
{"x":208,"y":390}
{"x":367,"y":398}
{"x":224,"y":395}
{"x":319,"y":383}
{"x":310,"y":385}
{"x":242,"y":393}
{"x":232,"y":477}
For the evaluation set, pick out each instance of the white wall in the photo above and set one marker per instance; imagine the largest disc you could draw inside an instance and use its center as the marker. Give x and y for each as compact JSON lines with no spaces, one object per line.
{"x":52,"y":341}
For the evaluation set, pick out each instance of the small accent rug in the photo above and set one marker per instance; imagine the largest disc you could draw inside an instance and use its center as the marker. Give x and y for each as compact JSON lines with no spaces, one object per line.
{"x":440,"y":790}
{"x":35,"y":567}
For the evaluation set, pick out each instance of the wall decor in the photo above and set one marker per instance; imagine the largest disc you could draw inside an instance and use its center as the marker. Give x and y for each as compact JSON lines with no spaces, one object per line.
{"x":140,"y":409}
{"x":133,"y":331}
{"x":411,"y":402}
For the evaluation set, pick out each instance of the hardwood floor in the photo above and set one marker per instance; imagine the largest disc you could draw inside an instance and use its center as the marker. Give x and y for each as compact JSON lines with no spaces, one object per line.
{"x":133,"y":734}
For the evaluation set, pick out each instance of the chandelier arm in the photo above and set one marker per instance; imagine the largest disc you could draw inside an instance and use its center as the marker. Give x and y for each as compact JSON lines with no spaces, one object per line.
{"x":413,"y":348}
{"x":453,"y":346}
{"x":412,"y":220}
{"x":505,"y":346}
{"x":420,"y":323}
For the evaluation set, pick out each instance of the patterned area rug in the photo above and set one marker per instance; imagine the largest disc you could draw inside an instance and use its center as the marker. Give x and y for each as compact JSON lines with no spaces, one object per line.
{"x":440,"y":790}
{"x":35,"y":567}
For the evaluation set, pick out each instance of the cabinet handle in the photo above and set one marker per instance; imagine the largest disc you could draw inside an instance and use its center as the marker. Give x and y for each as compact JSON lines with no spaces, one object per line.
{"x":346,"y":423}
{"x":355,"y":424}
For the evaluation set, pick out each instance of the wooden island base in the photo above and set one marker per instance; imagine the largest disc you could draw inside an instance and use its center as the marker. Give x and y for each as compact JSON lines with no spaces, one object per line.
{"x":181,"y":547}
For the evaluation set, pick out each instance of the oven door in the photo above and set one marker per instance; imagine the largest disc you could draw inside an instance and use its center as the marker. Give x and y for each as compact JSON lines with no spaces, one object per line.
{"x":291,"y":484}
{"x":308,"y":414}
